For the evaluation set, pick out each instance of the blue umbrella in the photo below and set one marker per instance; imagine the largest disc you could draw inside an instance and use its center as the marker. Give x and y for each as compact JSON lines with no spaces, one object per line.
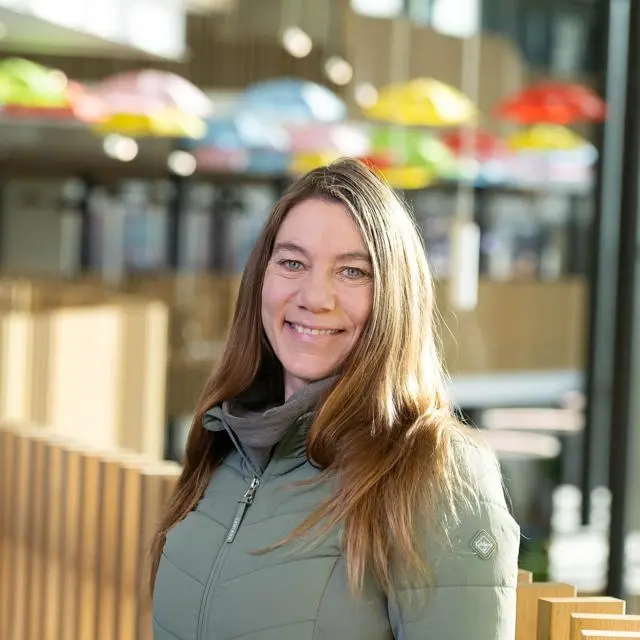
{"x":269,"y":163}
{"x":242,"y":132}
{"x":291,"y":101}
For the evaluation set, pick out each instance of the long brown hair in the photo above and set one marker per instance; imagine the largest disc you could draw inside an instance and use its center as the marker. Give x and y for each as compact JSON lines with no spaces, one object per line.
{"x":389,"y":447}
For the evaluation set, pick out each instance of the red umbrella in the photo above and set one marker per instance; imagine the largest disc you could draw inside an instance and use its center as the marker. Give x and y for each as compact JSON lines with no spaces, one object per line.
{"x":485,"y":145}
{"x":553,"y":103}
{"x":379,"y":161}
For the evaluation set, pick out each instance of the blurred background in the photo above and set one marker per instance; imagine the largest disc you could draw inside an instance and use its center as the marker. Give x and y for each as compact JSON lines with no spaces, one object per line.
{"x":143,"y":142}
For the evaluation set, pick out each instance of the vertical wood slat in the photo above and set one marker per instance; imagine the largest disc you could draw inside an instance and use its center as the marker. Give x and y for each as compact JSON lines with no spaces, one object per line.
{"x":108,"y":546}
{"x":8,"y":448}
{"x":54,"y":505}
{"x":112,"y":513}
{"x":88,"y":536}
{"x":19,"y":559}
{"x":554,"y":614}
{"x":156,"y":481}
{"x":70,"y":542}
{"x":130,"y":549}
{"x":35,"y":541}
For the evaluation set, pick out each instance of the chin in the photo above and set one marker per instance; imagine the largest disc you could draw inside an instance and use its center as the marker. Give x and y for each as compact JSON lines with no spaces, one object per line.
{"x":309,"y":372}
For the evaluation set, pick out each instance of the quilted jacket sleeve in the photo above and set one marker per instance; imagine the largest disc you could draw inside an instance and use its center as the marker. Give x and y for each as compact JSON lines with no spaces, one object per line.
{"x":475,"y":575}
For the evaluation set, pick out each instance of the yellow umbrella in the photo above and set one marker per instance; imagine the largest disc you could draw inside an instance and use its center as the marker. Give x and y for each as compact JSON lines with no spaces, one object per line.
{"x":408,"y":178}
{"x":167,"y":123}
{"x":304,"y":162}
{"x":423,"y":102}
{"x":546,"y":137}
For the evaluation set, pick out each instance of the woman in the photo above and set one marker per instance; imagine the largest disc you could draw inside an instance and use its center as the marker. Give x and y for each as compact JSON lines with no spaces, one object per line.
{"x":328,"y":491}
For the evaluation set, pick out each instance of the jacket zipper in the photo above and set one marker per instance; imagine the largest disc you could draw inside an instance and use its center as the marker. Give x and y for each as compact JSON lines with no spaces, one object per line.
{"x":243,"y":504}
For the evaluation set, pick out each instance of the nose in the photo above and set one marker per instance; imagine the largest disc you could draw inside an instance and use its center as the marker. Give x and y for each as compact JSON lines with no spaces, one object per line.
{"x":316,"y":293}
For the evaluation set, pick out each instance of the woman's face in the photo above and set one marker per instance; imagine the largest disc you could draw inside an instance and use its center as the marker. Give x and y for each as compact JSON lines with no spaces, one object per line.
{"x":317,"y":292}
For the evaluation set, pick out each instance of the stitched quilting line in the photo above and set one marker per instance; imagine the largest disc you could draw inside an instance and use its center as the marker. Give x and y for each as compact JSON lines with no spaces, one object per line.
{"x":161,"y":626}
{"x":324,"y":593}
{"x":180,"y":569}
{"x":277,"y":626}
{"x":253,"y":572}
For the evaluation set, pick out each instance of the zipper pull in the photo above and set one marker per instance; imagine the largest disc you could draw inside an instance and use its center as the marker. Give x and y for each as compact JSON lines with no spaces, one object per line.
{"x":243,"y":504}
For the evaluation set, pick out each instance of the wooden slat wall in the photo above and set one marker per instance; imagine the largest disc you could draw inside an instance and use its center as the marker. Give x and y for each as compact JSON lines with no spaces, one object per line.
{"x":75,"y":524}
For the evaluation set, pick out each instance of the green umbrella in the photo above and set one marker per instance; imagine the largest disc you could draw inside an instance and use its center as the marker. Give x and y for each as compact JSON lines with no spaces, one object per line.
{"x":25,"y":83}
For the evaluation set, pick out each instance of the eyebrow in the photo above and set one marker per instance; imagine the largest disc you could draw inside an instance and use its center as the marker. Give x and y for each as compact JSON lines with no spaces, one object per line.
{"x":349,"y":255}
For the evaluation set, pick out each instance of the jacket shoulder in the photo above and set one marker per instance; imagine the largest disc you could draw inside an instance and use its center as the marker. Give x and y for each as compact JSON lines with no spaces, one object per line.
{"x":483,"y":539}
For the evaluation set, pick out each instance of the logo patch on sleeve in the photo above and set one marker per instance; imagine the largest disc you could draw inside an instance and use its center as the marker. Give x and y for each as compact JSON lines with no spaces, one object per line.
{"x":483,"y":544}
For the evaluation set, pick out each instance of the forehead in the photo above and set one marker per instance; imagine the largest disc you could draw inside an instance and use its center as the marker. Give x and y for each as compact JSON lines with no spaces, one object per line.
{"x":322,"y":226}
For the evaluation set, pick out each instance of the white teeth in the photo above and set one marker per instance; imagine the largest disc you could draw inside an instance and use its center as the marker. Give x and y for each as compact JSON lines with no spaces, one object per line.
{"x":312,"y":332}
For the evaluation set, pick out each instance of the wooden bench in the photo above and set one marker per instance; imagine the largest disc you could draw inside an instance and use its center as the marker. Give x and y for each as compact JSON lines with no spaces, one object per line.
{"x":75,"y":524}
{"x":554,"y":611}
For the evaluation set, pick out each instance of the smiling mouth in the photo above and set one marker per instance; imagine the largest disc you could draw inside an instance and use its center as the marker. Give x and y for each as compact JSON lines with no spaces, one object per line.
{"x":312,"y":331}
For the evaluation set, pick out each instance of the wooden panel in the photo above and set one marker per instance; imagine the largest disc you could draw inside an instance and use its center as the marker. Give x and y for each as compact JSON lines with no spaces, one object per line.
{"x":70,"y":547}
{"x":554,"y":614}
{"x":8,"y":457}
{"x":516,"y":326}
{"x":109,"y":539}
{"x":55,"y":498}
{"x":87,"y":556}
{"x":35,"y":541}
{"x":592,"y":622}
{"x":18,"y":595}
{"x":608,"y":635}
{"x":527,"y":605}
{"x":245,"y":60}
{"x":153,"y":500}
{"x":131,"y":548}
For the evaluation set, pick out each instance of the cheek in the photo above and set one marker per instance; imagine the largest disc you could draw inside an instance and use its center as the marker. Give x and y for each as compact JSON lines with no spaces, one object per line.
{"x":274,"y":297}
{"x":358,"y":307}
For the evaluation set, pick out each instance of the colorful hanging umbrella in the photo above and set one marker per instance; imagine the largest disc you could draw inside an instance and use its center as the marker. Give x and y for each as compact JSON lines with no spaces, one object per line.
{"x":301,"y":163}
{"x":423,"y":102}
{"x":223,"y":160}
{"x":152,"y":103}
{"x":416,"y":149}
{"x":25,"y":83}
{"x":408,"y":178}
{"x":485,"y":145}
{"x":149,"y":91}
{"x":343,"y":139}
{"x":30,"y":90}
{"x":235,"y":133}
{"x":163,"y":124}
{"x":546,"y":138}
{"x":291,"y":101}
{"x":377,"y":160}
{"x":553,"y":103}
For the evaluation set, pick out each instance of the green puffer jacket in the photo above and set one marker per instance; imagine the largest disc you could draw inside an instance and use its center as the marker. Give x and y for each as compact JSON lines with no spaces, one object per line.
{"x":211,"y":587}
